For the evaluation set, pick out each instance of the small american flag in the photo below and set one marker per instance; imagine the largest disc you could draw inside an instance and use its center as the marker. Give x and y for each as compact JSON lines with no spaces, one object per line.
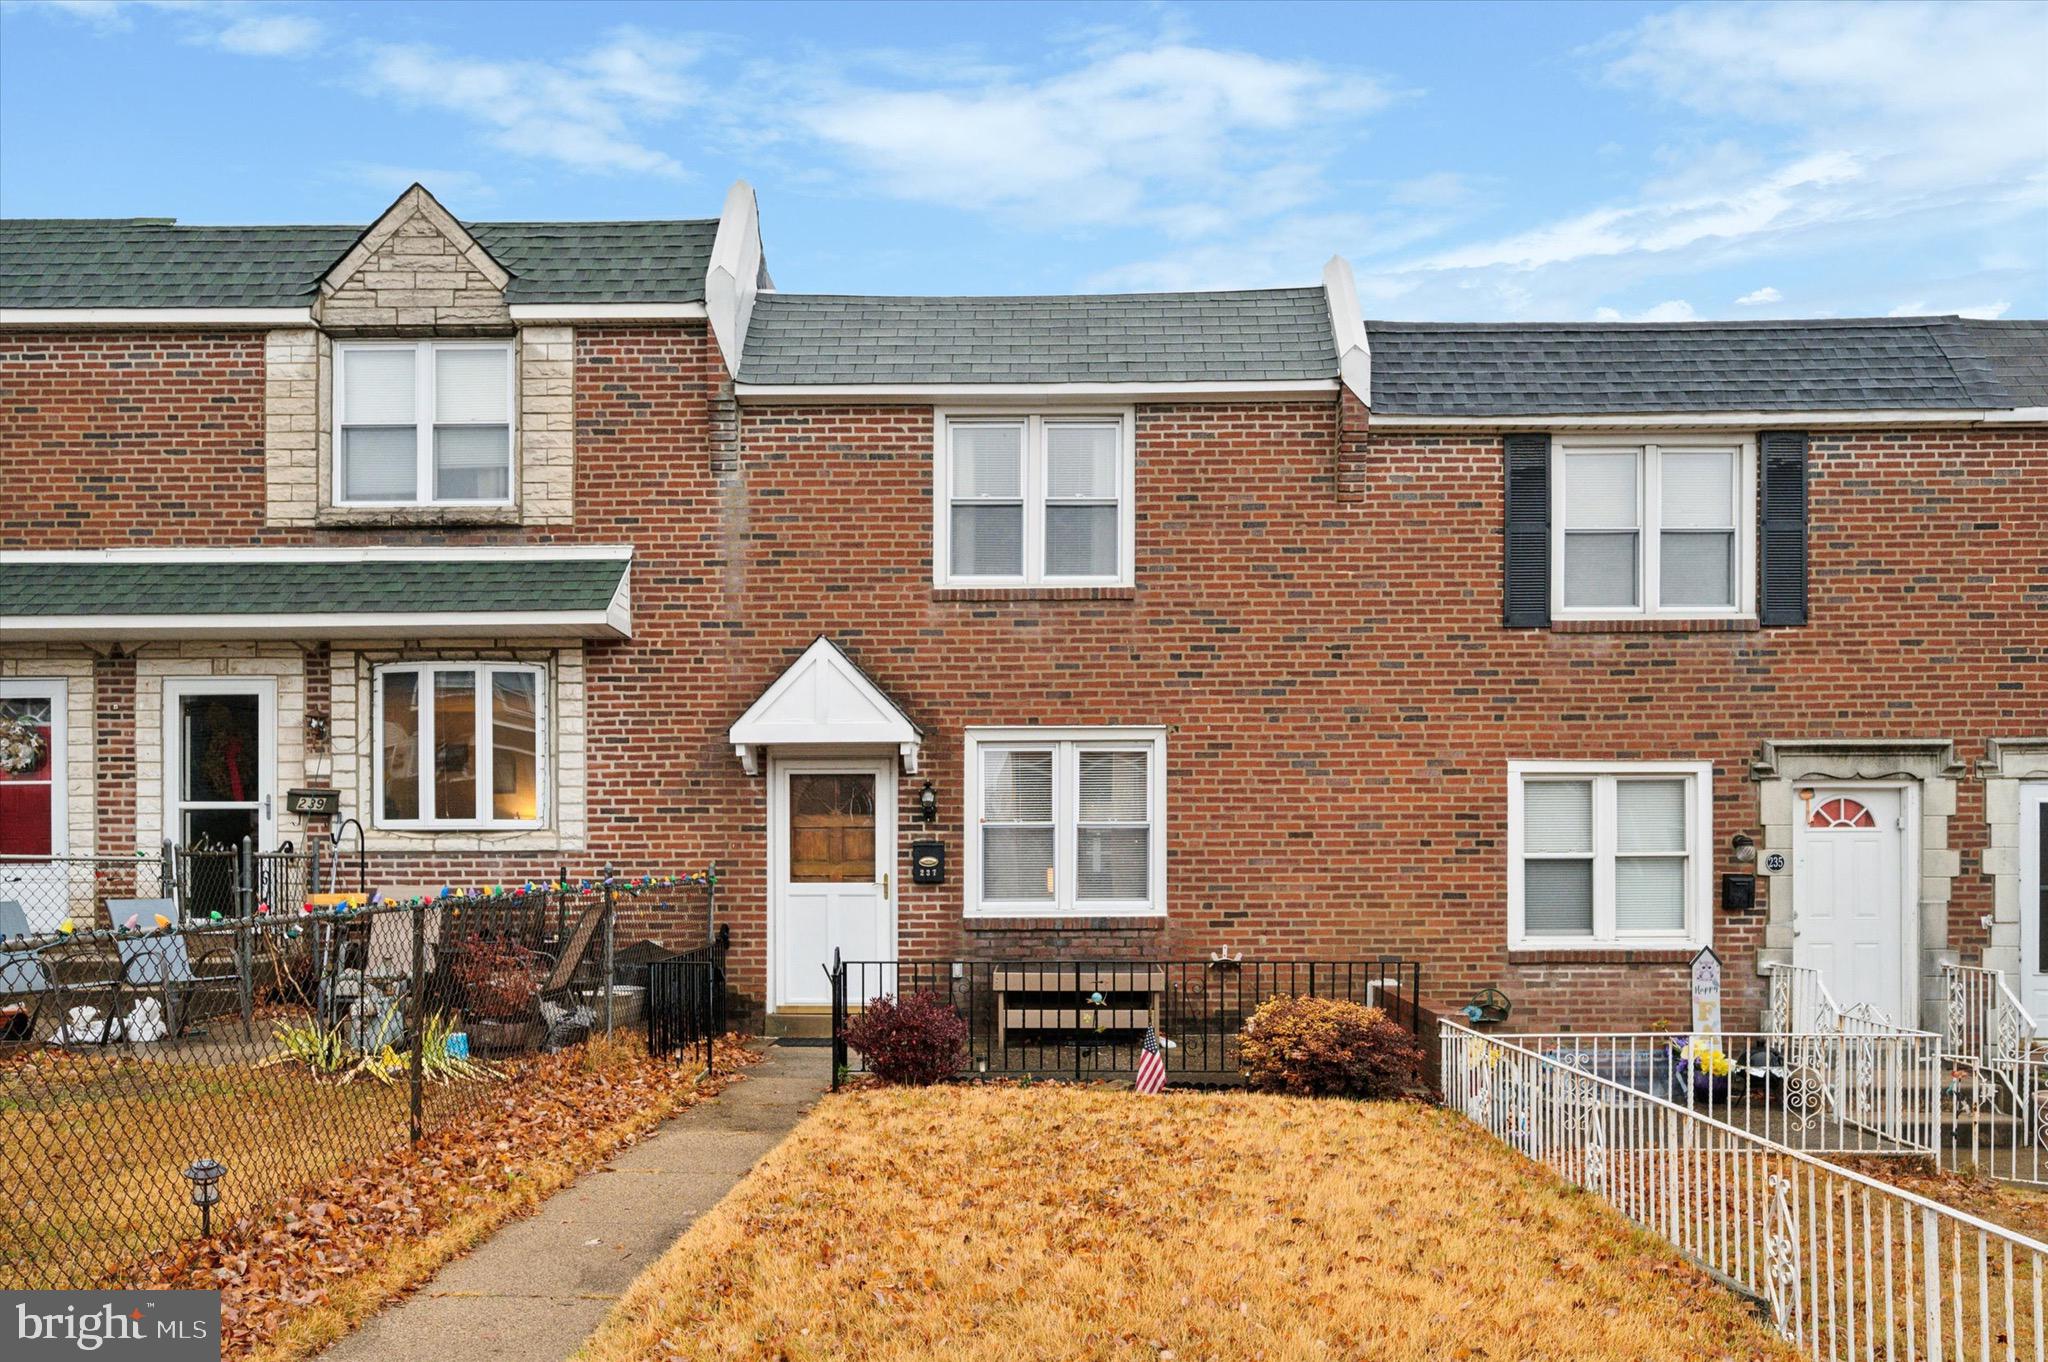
{"x":1151,"y":1077}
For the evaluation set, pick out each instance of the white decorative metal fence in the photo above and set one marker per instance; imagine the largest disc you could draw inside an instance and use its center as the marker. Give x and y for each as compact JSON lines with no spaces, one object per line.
{"x":1995,"y":1117}
{"x":1847,"y":1091}
{"x":1847,"y":1266}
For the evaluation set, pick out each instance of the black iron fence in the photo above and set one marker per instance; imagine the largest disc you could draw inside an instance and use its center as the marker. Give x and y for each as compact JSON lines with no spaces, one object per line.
{"x":1087,"y":1019}
{"x":205,"y":881}
{"x":285,"y":1045}
{"x":686,"y":1009}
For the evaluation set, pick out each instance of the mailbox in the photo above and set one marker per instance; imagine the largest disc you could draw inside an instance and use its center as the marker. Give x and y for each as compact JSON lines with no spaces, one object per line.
{"x":927,"y":862}
{"x":313,"y":803}
{"x":1738,"y":893}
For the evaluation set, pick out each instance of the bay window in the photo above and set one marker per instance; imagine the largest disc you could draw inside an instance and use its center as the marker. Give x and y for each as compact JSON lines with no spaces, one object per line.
{"x":1066,"y":822}
{"x":1609,"y":855}
{"x":460,"y":744}
{"x":1026,"y":500}
{"x":423,"y":423}
{"x":1653,"y":529}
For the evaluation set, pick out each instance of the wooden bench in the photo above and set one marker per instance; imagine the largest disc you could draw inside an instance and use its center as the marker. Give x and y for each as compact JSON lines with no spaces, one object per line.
{"x":1022,"y":1000}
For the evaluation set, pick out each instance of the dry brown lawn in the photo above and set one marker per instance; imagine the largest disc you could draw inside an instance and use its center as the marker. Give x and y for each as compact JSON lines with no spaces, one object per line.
{"x":1023,"y":1224}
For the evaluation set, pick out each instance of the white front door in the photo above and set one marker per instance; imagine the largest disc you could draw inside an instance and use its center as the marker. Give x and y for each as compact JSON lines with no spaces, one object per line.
{"x":220,"y":761}
{"x":33,"y":806}
{"x":832,"y":851}
{"x":2034,"y":901}
{"x":1850,"y":897}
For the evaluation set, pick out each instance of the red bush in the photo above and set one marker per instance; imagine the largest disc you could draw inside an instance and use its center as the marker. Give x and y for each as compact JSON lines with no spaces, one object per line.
{"x":1315,"y":1047}
{"x":916,"y":1039}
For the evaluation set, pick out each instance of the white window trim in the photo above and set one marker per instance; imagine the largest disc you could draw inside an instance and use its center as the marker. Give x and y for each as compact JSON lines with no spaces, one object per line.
{"x":423,"y":419}
{"x":1034,"y":423}
{"x":1649,"y":512}
{"x":1066,"y":743}
{"x":543,"y":744}
{"x":1699,"y":880}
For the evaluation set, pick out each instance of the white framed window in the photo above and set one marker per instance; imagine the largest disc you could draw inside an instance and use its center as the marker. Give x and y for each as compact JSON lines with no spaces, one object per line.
{"x":1663,"y":528}
{"x":460,"y":745}
{"x":423,"y":423}
{"x":1030,"y":499}
{"x":1066,"y":822}
{"x":1616,"y":855}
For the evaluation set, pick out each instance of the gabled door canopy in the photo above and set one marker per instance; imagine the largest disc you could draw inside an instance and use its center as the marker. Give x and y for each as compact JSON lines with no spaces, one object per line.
{"x":824,"y":700}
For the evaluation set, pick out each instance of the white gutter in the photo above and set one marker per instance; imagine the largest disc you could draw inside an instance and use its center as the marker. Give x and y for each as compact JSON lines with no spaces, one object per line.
{"x":156,"y":316}
{"x":496,"y":553}
{"x":1695,"y":420}
{"x":607,"y":312}
{"x":407,"y":624}
{"x":1028,"y":392}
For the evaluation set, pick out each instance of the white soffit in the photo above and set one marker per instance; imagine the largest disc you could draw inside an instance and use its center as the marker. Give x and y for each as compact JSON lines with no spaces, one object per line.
{"x":823,"y":700}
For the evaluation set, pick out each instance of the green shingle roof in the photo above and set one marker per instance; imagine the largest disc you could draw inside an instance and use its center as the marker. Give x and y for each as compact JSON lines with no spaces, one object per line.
{"x":270,"y":586}
{"x":1249,"y":336}
{"x":153,"y":262}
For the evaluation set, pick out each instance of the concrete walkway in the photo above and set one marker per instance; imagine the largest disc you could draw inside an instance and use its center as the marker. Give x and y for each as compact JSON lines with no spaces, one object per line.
{"x":537,"y":1288}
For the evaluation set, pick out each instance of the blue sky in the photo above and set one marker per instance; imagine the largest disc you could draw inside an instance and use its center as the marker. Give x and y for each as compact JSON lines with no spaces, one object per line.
{"x":1475,"y":162}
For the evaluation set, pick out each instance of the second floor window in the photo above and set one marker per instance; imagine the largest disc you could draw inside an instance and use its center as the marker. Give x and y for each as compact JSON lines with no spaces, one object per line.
{"x":426,"y":423}
{"x":1033,"y":500}
{"x":1656,"y":529}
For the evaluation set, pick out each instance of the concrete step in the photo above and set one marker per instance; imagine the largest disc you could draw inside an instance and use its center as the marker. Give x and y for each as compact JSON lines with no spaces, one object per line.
{"x":800,"y":1025}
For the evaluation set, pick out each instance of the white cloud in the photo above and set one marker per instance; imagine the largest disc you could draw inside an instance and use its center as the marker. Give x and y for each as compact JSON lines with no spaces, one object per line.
{"x":1978,"y":311}
{"x":1675,"y":310}
{"x":1758,"y":297}
{"x":1186,"y":139}
{"x":274,"y":35}
{"x":592,"y":111}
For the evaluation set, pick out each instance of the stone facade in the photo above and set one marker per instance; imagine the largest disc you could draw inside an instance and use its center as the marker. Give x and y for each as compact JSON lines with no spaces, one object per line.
{"x":416,"y":272}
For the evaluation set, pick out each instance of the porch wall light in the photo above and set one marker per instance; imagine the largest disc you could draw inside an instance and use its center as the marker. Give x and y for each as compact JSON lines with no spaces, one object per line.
{"x":1742,"y":848}
{"x":927,"y":804}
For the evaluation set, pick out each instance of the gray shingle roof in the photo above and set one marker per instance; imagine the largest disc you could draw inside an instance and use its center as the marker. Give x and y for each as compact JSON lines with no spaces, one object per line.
{"x":1569,"y":368}
{"x":275,"y":587}
{"x":152,"y":262}
{"x":1116,"y":338}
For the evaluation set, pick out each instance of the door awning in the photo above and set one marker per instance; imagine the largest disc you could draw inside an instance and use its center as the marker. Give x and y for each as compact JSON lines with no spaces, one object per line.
{"x":510,"y":591}
{"x":824,"y":699}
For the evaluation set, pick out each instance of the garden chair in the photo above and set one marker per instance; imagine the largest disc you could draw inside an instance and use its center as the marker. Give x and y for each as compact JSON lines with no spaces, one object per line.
{"x":13,"y":920}
{"x":164,"y":965}
{"x":24,"y":979}
{"x":565,"y":1000}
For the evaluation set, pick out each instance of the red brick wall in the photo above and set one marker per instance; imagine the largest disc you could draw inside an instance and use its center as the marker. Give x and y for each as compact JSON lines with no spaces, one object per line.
{"x":1341,"y":697}
{"x":127,"y":438}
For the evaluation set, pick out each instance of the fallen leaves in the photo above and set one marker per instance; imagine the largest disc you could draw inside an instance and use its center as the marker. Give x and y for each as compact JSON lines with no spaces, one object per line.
{"x":315,"y":1263}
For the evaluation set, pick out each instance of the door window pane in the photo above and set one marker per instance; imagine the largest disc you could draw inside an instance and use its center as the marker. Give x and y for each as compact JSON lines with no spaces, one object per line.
{"x":28,"y":798}
{"x":831,"y":828}
{"x":401,"y":745}
{"x":515,"y":746}
{"x":455,"y":745}
{"x":219,"y":749}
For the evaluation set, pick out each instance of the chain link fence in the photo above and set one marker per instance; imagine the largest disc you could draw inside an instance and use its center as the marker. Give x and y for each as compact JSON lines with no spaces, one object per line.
{"x":283,"y":1045}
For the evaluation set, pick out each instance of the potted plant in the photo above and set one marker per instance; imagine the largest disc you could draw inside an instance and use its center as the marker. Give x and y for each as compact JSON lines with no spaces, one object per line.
{"x":500,"y":985}
{"x":1701,"y":1066}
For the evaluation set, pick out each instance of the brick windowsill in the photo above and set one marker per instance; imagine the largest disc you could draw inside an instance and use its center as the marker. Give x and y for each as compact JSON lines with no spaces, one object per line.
{"x":1660,"y":956}
{"x":1034,"y":593}
{"x":1064,"y":924}
{"x":1652,"y":626}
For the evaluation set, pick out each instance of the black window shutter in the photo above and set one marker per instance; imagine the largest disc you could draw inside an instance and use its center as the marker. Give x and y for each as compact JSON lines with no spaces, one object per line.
{"x":1784,"y":528}
{"x":1525,"y":588}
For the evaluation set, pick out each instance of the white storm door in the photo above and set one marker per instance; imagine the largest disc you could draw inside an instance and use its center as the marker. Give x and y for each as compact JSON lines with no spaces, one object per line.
{"x":832,"y":842}
{"x":1849,"y":903}
{"x":2034,"y":901}
{"x":34,"y":805}
{"x":220,"y":760}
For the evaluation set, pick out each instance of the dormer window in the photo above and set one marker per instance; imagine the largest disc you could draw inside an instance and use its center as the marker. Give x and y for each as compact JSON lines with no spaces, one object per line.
{"x":423,"y":423}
